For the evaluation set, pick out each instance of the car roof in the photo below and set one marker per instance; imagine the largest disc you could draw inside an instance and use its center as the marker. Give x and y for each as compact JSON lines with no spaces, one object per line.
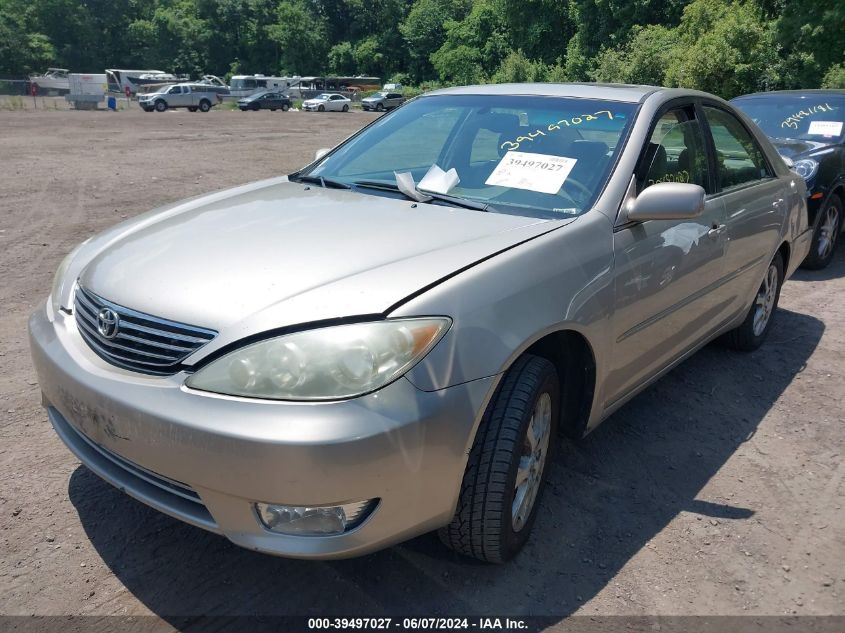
{"x":613,"y":92}
{"x":772,"y":93}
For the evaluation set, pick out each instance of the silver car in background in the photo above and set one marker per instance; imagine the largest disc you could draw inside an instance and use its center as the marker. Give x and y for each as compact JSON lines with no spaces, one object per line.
{"x":389,"y":341}
{"x":383,"y":100}
{"x":327,"y":102}
{"x":194,"y":97}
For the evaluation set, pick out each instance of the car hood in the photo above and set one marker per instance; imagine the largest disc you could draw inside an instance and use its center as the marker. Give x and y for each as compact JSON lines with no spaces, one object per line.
{"x":277,"y":253}
{"x":796,"y":148}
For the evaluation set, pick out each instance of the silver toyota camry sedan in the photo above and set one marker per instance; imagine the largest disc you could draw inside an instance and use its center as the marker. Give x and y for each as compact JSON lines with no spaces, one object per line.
{"x":389,"y":341}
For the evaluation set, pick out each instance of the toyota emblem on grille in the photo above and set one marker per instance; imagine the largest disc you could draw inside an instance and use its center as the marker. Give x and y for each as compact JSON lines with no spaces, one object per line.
{"x":108,"y":323}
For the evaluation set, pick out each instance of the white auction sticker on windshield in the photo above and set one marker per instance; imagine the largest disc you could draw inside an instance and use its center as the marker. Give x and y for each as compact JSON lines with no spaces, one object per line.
{"x":536,"y":172}
{"x":825,"y":128}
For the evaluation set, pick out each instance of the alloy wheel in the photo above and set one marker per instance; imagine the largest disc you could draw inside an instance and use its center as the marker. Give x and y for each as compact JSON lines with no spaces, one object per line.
{"x":828,"y":231}
{"x":532,"y":461}
{"x":765,"y":301}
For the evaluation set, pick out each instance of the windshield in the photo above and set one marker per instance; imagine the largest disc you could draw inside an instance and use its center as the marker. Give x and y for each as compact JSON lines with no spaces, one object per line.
{"x":810,"y":117}
{"x":543,"y":157}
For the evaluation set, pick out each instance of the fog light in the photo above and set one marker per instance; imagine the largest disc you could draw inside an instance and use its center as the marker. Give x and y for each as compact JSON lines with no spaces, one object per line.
{"x":313,"y":520}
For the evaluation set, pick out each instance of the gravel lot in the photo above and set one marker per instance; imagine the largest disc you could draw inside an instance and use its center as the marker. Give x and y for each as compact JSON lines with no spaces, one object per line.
{"x":717,"y":491}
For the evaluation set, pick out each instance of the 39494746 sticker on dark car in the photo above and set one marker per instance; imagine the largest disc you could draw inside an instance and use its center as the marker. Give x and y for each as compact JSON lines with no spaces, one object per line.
{"x":807,"y":127}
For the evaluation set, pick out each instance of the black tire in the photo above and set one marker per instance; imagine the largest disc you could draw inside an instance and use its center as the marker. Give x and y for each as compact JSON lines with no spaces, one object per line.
{"x":161,"y":105}
{"x":484,"y":525}
{"x":321,"y":109}
{"x":745,"y":338}
{"x":205,"y":105}
{"x":285,"y":107}
{"x":825,"y":235}
{"x":346,"y":107}
{"x":192,"y":108}
{"x":379,"y":107}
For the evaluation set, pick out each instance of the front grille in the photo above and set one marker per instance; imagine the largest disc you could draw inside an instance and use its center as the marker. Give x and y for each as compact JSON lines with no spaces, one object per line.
{"x":140,"y":342}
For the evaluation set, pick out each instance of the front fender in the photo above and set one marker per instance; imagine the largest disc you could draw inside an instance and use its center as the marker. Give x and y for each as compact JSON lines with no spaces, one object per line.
{"x":560,"y":280}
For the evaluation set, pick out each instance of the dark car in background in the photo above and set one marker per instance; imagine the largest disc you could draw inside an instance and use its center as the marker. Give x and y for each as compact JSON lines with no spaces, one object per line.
{"x":808,"y":128}
{"x":266,"y":101}
{"x":382,"y":101}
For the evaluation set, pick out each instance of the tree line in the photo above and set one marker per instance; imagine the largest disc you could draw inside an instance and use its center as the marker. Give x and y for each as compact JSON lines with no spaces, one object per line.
{"x":725,"y":47}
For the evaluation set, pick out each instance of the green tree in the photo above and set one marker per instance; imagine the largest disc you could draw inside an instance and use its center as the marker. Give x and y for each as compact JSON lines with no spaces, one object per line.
{"x":723,"y":48}
{"x":474,"y":46}
{"x":301,"y":37}
{"x":424,"y":31}
{"x":517,"y":68}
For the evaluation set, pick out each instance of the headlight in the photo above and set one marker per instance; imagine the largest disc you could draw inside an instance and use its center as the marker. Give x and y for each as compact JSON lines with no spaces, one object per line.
{"x":323,"y":364}
{"x":806,"y":168}
{"x":59,"y":278}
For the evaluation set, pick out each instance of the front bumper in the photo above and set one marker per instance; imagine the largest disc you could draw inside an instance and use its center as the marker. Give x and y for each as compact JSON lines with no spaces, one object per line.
{"x":207,"y":459}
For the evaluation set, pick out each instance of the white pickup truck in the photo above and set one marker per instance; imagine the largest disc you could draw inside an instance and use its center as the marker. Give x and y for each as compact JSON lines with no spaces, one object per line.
{"x":195,"y":97}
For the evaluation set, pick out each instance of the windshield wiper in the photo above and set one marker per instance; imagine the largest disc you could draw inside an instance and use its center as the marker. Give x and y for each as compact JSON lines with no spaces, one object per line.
{"x":442,"y":197}
{"x":326,"y":183}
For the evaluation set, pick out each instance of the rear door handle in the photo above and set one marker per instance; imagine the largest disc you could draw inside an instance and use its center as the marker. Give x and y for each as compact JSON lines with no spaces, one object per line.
{"x":716,"y":229}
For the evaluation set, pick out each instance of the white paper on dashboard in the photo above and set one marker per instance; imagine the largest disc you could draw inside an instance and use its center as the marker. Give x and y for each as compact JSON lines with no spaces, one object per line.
{"x":825,"y":128}
{"x":438,"y":181}
{"x":535,"y":172}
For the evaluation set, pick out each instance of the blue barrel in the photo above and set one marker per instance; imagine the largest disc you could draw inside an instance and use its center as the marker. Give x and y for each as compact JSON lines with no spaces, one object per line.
{"x":111,"y":103}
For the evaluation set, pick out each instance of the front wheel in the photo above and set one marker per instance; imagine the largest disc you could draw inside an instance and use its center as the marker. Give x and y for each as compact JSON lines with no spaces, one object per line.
{"x":346,"y":107}
{"x":753,"y":331}
{"x":507,"y":465}
{"x":826,"y":234}
{"x":161,"y":105}
{"x":379,"y":107}
{"x":321,"y":109}
{"x":285,"y":107}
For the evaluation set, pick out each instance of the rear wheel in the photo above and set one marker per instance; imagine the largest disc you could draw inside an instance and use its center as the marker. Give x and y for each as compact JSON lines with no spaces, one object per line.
{"x":205,"y":105}
{"x":192,"y":108}
{"x":285,"y":107}
{"x":753,"y":331}
{"x":507,"y":465}
{"x":828,"y":226}
{"x":161,"y":105}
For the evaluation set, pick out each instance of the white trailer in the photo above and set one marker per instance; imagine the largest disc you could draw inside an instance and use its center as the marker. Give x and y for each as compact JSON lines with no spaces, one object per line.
{"x":86,"y":90}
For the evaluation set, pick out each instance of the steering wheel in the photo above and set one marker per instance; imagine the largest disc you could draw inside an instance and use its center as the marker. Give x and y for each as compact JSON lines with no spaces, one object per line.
{"x":571,"y":181}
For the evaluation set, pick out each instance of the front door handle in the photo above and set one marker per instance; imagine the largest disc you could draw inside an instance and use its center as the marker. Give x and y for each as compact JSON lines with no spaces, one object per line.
{"x":777,"y":203}
{"x":716,"y":229}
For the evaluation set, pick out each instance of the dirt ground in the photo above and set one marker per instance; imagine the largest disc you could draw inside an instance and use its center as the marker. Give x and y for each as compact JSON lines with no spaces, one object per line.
{"x":717,"y":491}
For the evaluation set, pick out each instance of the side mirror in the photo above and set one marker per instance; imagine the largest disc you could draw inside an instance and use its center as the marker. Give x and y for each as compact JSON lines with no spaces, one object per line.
{"x":667,"y":201}
{"x":321,"y":152}
{"x":789,"y":162}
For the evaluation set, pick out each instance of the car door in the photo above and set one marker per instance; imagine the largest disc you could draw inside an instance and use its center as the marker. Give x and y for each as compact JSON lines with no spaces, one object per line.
{"x":393,"y":100}
{"x":667,"y":272}
{"x":754,"y":200}
{"x":174,"y":94}
{"x":337,"y":103}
